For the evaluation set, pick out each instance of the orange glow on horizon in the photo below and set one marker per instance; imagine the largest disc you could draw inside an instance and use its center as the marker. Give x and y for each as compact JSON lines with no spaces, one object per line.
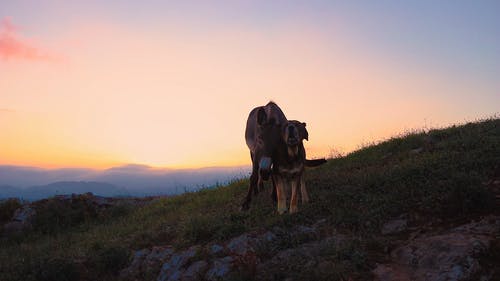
{"x":178,"y":97}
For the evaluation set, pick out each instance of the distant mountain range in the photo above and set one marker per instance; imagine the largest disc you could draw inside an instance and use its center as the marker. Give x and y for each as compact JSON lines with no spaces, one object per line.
{"x":63,"y":187}
{"x":33,"y":183}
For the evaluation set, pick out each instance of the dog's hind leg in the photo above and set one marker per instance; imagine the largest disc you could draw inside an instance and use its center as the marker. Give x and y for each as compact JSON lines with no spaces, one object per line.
{"x":253,"y":185}
{"x":303,"y":190}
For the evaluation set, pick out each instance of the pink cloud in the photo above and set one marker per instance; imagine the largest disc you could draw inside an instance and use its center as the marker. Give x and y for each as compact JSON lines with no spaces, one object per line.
{"x":15,"y":46}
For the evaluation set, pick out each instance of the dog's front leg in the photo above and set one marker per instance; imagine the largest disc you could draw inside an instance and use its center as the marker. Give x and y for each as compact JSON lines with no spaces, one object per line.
{"x":280,"y":192}
{"x":294,"y":200}
{"x":303,"y":190}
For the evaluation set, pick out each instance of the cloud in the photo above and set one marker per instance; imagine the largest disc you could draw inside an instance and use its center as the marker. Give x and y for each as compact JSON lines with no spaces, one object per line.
{"x":15,"y":46}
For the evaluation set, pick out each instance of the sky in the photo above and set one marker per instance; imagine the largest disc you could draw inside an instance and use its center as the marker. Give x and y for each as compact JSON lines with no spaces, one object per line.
{"x":98,"y":84}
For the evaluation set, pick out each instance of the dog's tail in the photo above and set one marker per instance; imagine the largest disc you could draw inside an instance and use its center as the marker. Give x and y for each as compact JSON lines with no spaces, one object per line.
{"x":314,"y":162}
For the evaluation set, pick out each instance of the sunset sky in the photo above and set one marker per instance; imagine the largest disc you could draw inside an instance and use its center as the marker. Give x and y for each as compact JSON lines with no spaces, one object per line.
{"x":170,"y":83}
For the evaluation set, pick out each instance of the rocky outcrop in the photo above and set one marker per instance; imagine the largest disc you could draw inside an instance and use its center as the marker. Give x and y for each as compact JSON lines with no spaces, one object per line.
{"x":394,"y":226}
{"x":146,"y":263}
{"x":283,"y":254}
{"x":247,"y":254}
{"x":449,"y":255}
{"x":24,"y":217}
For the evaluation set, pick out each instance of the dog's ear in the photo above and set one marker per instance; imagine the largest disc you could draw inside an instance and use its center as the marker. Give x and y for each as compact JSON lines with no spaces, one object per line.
{"x":261,"y":116}
{"x":303,"y":131}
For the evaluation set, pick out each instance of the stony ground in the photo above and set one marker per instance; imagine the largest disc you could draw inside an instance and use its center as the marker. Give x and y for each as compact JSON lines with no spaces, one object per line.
{"x":302,"y":254}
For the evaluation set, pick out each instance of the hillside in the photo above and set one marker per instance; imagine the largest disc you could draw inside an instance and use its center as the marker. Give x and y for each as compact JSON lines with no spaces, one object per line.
{"x":421,"y":206}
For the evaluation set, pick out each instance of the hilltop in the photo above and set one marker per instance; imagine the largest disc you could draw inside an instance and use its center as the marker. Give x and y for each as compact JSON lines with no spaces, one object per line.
{"x":421,"y":206}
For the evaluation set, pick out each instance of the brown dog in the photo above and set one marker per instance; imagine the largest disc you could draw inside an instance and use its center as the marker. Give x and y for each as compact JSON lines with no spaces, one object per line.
{"x":264,"y":138}
{"x":288,"y":165}
{"x":262,"y":135}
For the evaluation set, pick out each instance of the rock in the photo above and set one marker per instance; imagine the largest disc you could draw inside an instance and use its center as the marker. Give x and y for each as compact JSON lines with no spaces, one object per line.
{"x":134,"y":269}
{"x":306,"y":257}
{"x":216,"y":250}
{"x":394,"y":226}
{"x":388,"y":273}
{"x":22,"y":220}
{"x":146,"y":263}
{"x":195,"y":271}
{"x":220,"y":269}
{"x":24,"y":214}
{"x":452,"y":255}
{"x":159,"y":254}
{"x":303,"y":233}
{"x":241,"y":245}
{"x":416,"y":151}
{"x":172,"y":270}
{"x":240,"y":256}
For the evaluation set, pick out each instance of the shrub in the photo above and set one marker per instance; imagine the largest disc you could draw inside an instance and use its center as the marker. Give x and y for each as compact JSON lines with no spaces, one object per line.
{"x":108,"y":259}
{"x":55,"y":215}
{"x":7,"y":209}
{"x":199,"y":228}
{"x":57,"y":269}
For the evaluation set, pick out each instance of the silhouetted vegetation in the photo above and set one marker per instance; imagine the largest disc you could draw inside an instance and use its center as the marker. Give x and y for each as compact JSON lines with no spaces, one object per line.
{"x":7,"y":209}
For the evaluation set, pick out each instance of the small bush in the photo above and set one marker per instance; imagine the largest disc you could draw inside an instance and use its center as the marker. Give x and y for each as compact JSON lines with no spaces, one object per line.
{"x":55,"y":215}
{"x":57,"y":269}
{"x":199,"y":228}
{"x":108,"y":259}
{"x":467,"y":196}
{"x":7,"y":209}
{"x":120,"y":210}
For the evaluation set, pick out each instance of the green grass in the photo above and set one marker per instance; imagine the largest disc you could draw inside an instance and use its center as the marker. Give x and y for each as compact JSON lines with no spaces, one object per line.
{"x":434,"y":174}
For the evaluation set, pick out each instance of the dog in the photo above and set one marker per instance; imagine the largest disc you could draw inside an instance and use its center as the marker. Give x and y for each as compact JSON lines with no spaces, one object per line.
{"x":262,"y":136}
{"x":289,"y":164}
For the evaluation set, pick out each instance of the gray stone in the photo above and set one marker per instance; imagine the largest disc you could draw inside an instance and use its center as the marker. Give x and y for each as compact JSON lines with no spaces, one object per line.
{"x":172,"y":269}
{"x":24,"y":214}
{"x":175,"y":275}
{"x":220,"y":269}
{"x":146,"y":262}
{"x":160,"y":254}
{"x":451,"y":255}
{"x":394,"y":226}
{"x":216,"y":250}
{"x":21,"y":220}
{"x":241,"y":245}
{"x":135,"y":267}
{"x":268,"y":237}
{"x":307,"y":256}
{"x":304,"y":233}
{"x":195,"y":271}
{"x":416,"y":151}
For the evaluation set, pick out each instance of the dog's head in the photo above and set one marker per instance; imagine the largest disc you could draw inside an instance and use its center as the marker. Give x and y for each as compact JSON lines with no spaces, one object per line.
{"x":294,"y":132}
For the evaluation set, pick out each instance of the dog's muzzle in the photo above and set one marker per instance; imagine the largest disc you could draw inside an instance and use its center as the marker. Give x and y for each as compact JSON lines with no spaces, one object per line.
{"x":292,"y":141}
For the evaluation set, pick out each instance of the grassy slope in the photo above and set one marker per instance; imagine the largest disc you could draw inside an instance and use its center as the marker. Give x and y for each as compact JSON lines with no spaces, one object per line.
{"x":427,"y":176}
